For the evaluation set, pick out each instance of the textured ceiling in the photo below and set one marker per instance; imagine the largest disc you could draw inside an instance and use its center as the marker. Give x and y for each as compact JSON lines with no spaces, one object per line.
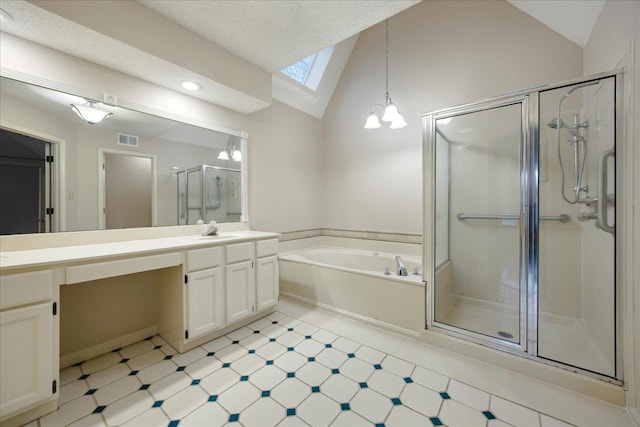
{"x":275,"y":34}
{"x":573,"y":19}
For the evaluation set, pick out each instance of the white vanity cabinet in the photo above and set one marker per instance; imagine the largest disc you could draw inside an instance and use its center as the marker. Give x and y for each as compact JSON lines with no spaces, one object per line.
{"x":204,"y":291}
{"x":240,"y":281}
{"x":28,"y":339}
{"x":267,"y":274}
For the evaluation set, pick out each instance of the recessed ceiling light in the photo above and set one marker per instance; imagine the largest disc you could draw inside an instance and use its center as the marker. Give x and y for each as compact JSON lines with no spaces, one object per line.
{"x":5,"y":16}
{"x":192,"y":86}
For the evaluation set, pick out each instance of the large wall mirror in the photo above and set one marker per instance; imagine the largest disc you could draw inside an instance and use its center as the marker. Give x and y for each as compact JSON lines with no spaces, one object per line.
{"x":60,"y":172}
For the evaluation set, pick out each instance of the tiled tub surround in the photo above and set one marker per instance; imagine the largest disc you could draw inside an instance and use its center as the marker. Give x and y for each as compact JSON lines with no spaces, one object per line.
{"x":303,"y":366}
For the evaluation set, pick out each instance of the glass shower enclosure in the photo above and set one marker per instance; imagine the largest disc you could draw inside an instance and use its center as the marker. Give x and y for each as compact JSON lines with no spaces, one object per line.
{"x":520,"y":197}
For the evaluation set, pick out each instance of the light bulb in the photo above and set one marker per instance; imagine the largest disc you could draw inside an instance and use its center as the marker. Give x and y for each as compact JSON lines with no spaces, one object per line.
{"x":223,"y":155}
{"x":398,"y":123}
{"x":90,"y":113}
{"x":237,"y":155}
{"x":372,"y":122}
{"x":390,"y":113}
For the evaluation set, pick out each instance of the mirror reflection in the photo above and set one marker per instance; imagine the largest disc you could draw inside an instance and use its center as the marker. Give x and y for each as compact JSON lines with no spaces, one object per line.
{"x":71,"y":164}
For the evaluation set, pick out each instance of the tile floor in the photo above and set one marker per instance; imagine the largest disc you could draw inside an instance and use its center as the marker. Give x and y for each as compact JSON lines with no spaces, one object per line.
{"x":280,"y":370}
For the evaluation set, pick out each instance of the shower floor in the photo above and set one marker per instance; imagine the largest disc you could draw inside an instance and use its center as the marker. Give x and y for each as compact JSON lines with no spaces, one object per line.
{"x":561,"y":338}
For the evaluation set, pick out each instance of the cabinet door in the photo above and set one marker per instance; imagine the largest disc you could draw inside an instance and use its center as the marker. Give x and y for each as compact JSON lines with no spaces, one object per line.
{"x":26,"y":366}
{"x":267,"y":282}
{"x":205,"y":301}
{"x":240,"y":290}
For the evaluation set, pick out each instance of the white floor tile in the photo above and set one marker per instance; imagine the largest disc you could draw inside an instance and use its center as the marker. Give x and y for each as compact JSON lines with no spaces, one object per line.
{"x":547,"y":421}
{"x":292,"y":422}
{"x":248,"y":364}
{"x":369,"y":355}
{"x":324,"y":337}
{"x":109,"y":375}
{"x":69,"y":374}
{"x":350,"y":419}
{"x":231,"y":353}
{"x":155,"y":372}
{"x":260,"y":324}
{"x":305,"y":328}
{"x":468,"y":395}
{"x":239,"y":334}
{"x":288,"y":322}
{"x":386,"y":383}
{"x":70,"y":412}
{"x":290,"y":392}
{"x":153,"y":417}
{"x":371,"y":405}
{"x":290,"y":339}
{"x":93,"y":420}
{"x":345,"y":345}
{"x":331,"y":358}
{"x":219,"y":381}
{"x":514,"y":414}
{"x":497,"y":423}
{"x":455,"y":414}
{"x":189,"y":357}
{"x":264,"y":412}
{"x":429,"y":378}
{"x":145,"y":360}
{"x":403,"y":416}
{"x":101,"y":362}
{"x":318,"y":410}
{"x":203,"y":367}
{"x":268,"y":377}
{"x":117,"y":390}
{"x":357,"y":370}
{"x":399,"y":367}
{"x":169,"y":385}
{"x":271,"y":350}
{"x":239,"y":397}
{"x":421,"y":399}
{"x":276,"y":315}
{"x":72,"y":391}
{"x":273,"y":331}
{"x":313,"y":374}
{"x":290,"y":361}
{"x":217,"y":344}
{"x":310,"y":348}
{"x":254,"y":341}
{"x":184,"y":402}
{"x":133,"y":350}
{"x":209,"y":414}
{"x":125,"y":409}
{"x":340,"y":388}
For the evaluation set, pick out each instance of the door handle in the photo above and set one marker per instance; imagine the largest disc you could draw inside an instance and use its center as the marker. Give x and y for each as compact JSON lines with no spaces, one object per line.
{"x":603,"y":199}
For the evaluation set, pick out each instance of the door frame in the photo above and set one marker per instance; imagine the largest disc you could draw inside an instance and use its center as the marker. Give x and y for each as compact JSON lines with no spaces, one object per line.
{"x":102,"y":152}
{"x":57,"y":181}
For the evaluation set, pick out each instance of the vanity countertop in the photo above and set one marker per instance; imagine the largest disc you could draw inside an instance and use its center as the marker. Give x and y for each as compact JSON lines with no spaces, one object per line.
{"x":82,"y":253}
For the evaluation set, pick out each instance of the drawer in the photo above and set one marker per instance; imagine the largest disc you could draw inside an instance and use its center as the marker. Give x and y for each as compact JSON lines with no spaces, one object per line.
{"x":25,"y":288}
{"x":200,"y":259}
{"x":266,"y":248}
{"x":239,"y":252}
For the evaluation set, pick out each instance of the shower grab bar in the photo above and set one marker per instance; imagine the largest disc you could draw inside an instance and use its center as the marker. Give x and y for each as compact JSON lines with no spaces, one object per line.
{"x":603,"y":197}
{"x":513,"y":217}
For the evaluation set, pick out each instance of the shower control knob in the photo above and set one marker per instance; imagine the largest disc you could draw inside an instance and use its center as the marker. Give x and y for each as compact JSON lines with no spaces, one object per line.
{"x":587,"y":216}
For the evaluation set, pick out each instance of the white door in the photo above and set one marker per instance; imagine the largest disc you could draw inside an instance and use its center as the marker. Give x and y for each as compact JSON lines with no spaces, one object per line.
{"x":205,"y":301}
{"x":26,"y":365}
{"x":267,"y":282}
{"x":240,"y":283}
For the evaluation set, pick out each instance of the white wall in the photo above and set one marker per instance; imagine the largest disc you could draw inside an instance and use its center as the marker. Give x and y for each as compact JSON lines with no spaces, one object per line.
{"x":441,"y":54}
{"x":609,"y":47}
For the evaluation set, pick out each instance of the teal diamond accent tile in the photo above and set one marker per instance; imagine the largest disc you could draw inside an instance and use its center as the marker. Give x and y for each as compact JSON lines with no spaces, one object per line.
{"x":291,"y":374}
{"x":289,"y":329}
{"x":335,"y":371}
{"x":244,"y":378}
{"x":133,"y":373}
{"x":174,"y":423}
{"x":144,"y":387}
{"x":274,"y":322}
{"x":445,"y":395}
{"x":124,"y":361}
{"x":345,"y":407}
{"x":83,"y":377}
{"x":195,"y":382}
{"x":408,"y":380}
{"x":157,"y":403}
{"x":79,"y":363}
{"x":158,"y":347}
{"x":266,"y":393}
{"x":148,"y":338}
{"x":233,"y":418}
{"x":252,"y":351}
{"x":489,"y":415}
{"x":90,"y":392}
{"x":269,"y":362}
{"x":396,"y":401}
{"x":436,"y":421}
{"x":327,"y":345}
{"x":315,"y":389}
{"x":289,"y":348}
{"x":364,"y":385}
{"x":181,"y":368}
{"x":291,"y":412}
{"x":272,"y":340}
{"x":235,"y":342}
{"x":307,"y":337}
{"x":212,"y":398}
{"x":210,"y":354}
{"x":351,"y":355}
{"x":377,"y":366}
{"x":226,"y":365}
{"x":116,"y":350}
{"x":168,"y":357}
{"x":256,"y":332}
{"x":99,"y":409}
{"x":311,"y":359}
{"x":379,"y":425}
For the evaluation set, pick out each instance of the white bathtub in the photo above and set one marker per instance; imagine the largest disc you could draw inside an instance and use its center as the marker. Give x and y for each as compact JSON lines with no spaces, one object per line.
{"x":353,"y":282}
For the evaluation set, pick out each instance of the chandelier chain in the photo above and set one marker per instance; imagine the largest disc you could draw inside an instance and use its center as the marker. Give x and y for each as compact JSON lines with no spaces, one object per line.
{"x":386,"y":58}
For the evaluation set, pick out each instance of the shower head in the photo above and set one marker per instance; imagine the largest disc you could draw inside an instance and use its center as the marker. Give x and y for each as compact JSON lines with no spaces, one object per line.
{"x":554,"y":124}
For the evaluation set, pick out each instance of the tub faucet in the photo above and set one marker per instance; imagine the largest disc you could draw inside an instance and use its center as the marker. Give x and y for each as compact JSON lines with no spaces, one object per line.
{"x":402,"y":269}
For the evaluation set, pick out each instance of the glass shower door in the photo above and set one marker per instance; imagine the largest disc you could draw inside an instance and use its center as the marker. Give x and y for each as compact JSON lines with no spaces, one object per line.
{"x":478,"y":245}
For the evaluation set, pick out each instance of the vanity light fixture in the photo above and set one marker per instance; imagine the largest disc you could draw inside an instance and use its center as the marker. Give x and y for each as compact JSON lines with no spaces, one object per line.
{"x":230,"y":152}
{"x":90,"y":112}
{"x":391,"y":114}
{"x":191,"y":86}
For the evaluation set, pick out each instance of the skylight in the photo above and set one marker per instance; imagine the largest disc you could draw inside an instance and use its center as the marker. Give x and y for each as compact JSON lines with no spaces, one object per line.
{"x":310,"y":70}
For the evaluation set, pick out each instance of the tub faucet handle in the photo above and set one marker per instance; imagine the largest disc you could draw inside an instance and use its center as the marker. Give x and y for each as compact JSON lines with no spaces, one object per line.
{"x":387,"y":271}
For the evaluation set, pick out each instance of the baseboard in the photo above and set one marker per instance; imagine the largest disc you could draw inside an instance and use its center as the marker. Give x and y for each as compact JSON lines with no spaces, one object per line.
{"x":355,"y":316}
{"x":100,"y":349}
{"x":635,"y":415}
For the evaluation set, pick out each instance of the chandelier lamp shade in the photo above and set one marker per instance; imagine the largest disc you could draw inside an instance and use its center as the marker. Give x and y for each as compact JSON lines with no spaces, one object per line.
{"x":390,"y":110}
{"x":90,"y":112}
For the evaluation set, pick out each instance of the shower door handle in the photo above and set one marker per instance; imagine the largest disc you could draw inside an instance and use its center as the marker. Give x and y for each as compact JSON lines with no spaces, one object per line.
{"x":603,"y":199}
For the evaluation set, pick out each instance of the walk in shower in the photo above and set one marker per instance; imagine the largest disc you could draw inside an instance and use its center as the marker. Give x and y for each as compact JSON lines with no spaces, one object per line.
{"x":520,"y":197}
